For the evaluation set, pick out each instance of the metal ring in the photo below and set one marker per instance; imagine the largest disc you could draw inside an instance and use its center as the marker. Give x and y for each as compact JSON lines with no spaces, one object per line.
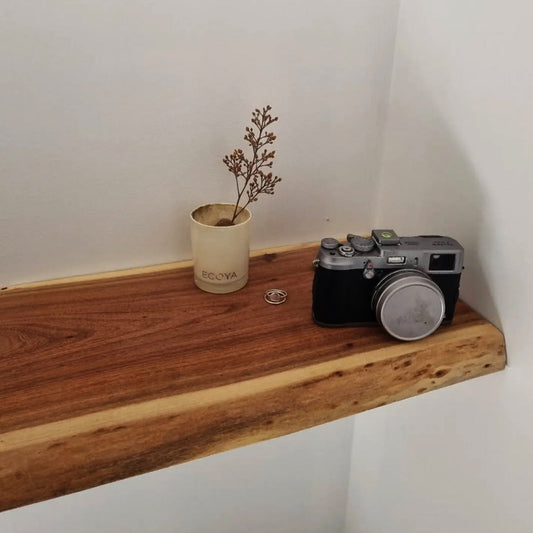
{"x":275,"y":296}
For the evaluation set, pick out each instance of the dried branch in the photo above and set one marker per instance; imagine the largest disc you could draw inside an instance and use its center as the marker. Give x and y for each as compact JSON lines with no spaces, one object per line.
{"x":250,"y":176}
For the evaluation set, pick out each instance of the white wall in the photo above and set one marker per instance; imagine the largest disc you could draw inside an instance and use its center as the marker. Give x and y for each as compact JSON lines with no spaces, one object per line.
{"x":458,"y":159}
{"x":114,"y":118}
{"x":116,"y":115}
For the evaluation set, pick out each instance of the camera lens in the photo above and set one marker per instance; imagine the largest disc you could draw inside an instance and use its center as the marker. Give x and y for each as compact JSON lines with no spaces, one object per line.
{"x":408,"y":304}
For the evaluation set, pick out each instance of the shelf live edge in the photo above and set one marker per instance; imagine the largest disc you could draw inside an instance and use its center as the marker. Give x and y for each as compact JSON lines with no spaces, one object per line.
{"x":65,"y":453}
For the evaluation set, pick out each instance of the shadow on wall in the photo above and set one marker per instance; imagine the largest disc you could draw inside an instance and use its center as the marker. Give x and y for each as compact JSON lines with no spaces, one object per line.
{"x":428,"y":185}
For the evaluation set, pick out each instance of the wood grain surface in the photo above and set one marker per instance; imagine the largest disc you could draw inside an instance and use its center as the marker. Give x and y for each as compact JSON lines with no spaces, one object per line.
{"x":113,"y":376}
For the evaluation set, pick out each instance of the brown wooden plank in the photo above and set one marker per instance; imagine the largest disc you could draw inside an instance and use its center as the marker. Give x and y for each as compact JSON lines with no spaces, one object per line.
{"x":109,"y":377}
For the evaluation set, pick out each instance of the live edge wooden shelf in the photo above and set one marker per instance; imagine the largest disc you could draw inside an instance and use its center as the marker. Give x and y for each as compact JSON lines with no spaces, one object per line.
{"x":106,"y":378}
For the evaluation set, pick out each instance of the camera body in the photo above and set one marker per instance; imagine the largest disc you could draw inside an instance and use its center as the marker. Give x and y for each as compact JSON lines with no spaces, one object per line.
{"x":409,"y":285}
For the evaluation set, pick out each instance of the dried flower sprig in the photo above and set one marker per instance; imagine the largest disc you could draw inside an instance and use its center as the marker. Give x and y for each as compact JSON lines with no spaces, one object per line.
{"x":250,"y":175}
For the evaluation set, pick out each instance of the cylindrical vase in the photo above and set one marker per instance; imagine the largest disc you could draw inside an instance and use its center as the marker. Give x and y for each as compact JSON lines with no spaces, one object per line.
{"x":220,"y":253}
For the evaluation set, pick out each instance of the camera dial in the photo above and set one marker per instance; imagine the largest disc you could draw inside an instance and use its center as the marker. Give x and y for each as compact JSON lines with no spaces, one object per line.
{"x":346,"y":250}
{"x":361,"y":244}
{"x":329,"y":243}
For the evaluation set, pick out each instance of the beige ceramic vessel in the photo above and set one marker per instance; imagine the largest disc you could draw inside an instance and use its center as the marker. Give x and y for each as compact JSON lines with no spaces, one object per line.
{"x":220,"y":253}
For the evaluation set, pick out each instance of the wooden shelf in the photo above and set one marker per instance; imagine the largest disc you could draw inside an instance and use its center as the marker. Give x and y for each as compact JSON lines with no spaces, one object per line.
{"x":106,"y":378}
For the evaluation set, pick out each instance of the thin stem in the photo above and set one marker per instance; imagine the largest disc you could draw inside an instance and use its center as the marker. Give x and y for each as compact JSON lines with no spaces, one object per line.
{"x":253,"y":168}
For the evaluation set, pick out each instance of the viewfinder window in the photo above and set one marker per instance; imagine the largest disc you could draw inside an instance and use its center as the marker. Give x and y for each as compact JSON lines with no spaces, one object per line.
{"x":442,"y":262}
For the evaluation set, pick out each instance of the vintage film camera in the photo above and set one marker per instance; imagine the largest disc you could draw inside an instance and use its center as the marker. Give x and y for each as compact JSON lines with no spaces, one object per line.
{"x":409,"y":285}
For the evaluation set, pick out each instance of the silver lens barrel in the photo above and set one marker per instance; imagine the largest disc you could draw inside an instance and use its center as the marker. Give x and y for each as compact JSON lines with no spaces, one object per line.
{"x":408,"y":304}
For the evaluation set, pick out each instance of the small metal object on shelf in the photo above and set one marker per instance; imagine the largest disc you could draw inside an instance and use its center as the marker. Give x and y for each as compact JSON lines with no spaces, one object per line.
{"x":275,"y":296}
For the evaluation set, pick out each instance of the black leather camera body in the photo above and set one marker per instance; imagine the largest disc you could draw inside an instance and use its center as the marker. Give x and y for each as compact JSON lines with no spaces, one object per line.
{"x":409,"y":285}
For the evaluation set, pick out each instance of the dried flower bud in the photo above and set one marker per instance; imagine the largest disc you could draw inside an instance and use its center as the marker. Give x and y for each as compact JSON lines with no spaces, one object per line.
{"x":248,"y":173}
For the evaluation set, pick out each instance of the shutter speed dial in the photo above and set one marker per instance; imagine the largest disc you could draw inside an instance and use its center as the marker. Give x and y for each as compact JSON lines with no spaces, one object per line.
{"x":361,"y":244}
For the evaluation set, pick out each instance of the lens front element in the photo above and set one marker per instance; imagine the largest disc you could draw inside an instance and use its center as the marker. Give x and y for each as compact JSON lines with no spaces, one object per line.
{"x":408,"y":304}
